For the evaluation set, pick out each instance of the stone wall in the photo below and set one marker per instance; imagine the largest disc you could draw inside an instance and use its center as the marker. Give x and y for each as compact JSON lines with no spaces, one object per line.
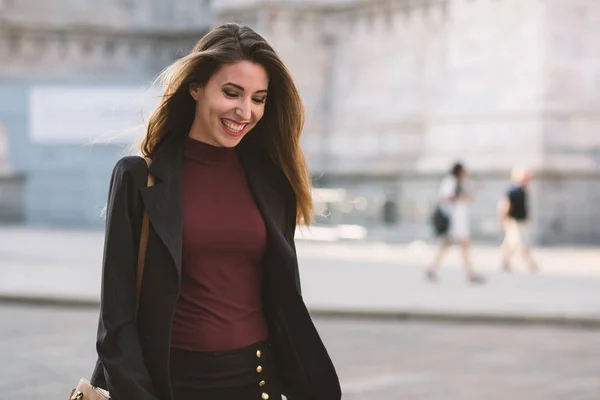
{"x":569,"y":196}
{"x":125,"y":15}
{"x":85,"y":39}
{"x":402,"y":84}
{"x":404,"y":88}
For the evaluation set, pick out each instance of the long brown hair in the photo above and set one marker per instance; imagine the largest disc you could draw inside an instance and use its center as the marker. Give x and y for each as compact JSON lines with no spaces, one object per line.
{"x":278,"y":132}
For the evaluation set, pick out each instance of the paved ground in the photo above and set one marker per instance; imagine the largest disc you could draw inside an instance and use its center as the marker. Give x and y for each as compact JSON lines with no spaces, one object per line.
{"x":341,"y":277}
{"x":45,"y":351}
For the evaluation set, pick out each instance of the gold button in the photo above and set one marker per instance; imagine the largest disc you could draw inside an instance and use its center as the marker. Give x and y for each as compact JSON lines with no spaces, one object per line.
{"x":265,"y":396}
{"x":261,"y":383}
{"x":259,"y":369}
{"x":258,"y":354}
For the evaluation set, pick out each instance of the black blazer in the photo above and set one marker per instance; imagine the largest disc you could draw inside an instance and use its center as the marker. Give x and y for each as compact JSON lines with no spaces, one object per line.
{"x":133,"y":360}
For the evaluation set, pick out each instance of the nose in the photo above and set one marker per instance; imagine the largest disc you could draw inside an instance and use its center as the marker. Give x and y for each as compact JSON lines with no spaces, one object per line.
{"x":245,"y":109}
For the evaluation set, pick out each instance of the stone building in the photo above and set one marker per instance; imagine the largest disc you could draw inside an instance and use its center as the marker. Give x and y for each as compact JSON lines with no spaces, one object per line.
{"x":395,"y":90}
{"x":69,"y":70}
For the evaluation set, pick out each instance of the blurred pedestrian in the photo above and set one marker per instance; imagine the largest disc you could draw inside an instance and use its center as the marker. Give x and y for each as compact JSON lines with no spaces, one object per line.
{"x":220,"y":314}
{"x":454,"y":204}
{"x":514,"y":214}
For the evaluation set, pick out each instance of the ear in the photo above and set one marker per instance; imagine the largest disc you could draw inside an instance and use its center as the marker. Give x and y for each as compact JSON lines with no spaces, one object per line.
{"x":194,"y":90}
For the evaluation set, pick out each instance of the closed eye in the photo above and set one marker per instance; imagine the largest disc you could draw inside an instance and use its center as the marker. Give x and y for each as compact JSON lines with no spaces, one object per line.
{"x":234,"y":95}
{"x":230,"y":94}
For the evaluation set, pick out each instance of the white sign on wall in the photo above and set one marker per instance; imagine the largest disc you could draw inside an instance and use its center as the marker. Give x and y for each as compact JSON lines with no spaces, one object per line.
{"x":88,"y":114}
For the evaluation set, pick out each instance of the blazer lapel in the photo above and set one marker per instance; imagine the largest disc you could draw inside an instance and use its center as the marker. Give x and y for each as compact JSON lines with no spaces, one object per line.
{"x":163,"y":200}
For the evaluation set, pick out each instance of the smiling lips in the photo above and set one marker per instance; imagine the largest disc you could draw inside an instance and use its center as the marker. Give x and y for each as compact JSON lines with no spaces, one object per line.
{"x":233,"y":128}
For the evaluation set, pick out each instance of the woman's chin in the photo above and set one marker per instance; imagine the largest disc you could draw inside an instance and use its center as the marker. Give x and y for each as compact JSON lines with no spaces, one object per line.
{"x":231,"y":141}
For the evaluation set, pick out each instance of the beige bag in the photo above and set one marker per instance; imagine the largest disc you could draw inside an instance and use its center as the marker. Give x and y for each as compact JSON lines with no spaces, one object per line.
{"x":85,"y":390}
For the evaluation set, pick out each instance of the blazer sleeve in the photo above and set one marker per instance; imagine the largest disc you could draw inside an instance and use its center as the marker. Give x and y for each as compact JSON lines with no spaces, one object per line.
{"x":118,"y":344}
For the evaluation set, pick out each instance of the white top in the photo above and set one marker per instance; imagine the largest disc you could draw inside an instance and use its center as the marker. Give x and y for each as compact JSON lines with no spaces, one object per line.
{"x":448,"y":187}
{"x":458,"y":209}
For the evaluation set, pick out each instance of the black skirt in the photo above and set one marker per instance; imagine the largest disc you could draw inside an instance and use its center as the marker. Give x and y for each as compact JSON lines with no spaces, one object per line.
{"x":245,"y":374}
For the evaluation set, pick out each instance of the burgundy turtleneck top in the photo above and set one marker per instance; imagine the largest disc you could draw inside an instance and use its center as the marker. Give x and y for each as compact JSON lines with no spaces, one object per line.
{"x":224,"y":237}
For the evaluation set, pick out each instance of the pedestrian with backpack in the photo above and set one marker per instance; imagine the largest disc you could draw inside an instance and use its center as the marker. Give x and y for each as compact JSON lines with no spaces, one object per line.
{"x":451,"y":222}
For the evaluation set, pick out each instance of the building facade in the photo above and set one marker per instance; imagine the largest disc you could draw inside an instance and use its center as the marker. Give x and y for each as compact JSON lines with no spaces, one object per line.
{"x":395,"y":90}
{"x":99,"y":53}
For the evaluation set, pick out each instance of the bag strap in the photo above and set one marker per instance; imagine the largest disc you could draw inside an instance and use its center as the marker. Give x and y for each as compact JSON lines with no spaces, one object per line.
{"x":143,"y":240}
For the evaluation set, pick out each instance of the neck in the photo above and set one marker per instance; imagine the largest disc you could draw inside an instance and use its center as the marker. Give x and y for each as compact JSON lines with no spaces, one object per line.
{"x":196,"y":133}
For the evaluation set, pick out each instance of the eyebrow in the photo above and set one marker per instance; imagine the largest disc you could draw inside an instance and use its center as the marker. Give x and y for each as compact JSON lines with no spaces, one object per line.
{"x":235,"y":85}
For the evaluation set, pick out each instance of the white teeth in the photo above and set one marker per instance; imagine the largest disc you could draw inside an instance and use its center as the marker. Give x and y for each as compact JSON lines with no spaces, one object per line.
{"x":232,"y":126}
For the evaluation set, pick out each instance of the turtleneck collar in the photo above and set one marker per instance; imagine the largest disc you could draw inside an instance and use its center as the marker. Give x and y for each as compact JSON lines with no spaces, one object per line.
{"x":206,"y":153}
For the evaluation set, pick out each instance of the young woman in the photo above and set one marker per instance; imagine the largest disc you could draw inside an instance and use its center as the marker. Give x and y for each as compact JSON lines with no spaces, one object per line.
{"x":220,"y":314}
{"x":455,"y":201}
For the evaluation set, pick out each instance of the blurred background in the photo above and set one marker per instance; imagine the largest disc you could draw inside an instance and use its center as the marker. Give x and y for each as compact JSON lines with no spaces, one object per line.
{"x":396,"y":91}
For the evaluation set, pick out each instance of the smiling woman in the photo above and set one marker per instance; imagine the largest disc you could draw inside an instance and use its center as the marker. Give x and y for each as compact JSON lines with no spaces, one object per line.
{"x":220,"y":314}
{"x":230,"y":104}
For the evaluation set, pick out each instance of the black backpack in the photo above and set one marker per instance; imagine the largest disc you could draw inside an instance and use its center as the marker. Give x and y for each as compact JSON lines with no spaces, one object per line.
{"x":440,"y":221}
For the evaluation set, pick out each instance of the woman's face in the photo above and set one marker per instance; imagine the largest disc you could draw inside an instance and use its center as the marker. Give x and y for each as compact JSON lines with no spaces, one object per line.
{"x":230,"y":104}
